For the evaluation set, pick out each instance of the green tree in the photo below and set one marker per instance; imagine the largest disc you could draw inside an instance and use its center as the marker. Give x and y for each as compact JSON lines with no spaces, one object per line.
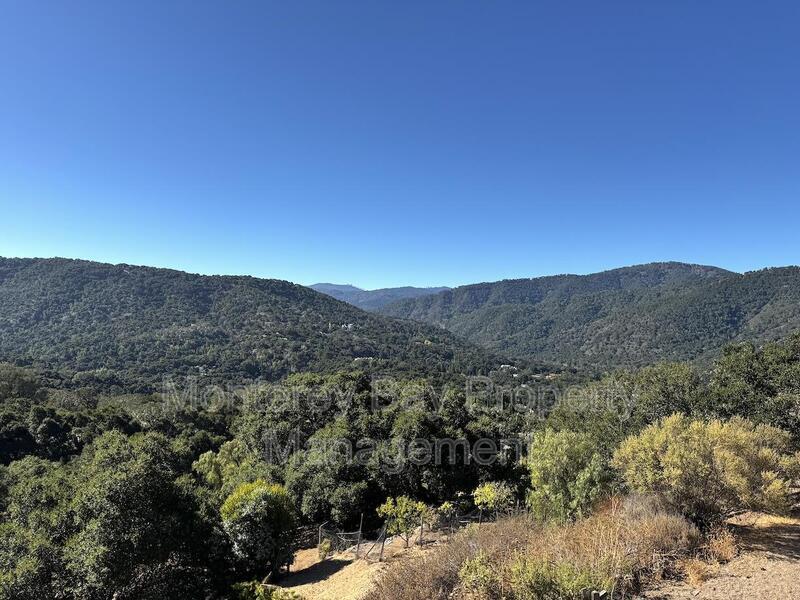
{"x":129,"y":515}
{"x":260,"y":520}
{"x":403,"y":515}
{"x":17,"y":383}
{"x":605,"y":411}
{"x":665,"y":389}
{"x":762,"y":384}
{"x":16,"y":440}
{"x":493,"y":496}
{"x":325,"y":481}
{"x":231,"y":466}
{"x":30,"y":564}
{"x":567,"y":473}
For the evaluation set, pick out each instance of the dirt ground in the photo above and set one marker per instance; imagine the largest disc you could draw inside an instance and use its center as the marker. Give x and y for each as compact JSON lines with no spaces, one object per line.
{"x":767,"y":568}
{"x":342,"y":577}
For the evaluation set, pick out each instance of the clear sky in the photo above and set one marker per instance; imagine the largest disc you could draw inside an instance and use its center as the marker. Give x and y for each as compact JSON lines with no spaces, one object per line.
{"x":385,"y":143}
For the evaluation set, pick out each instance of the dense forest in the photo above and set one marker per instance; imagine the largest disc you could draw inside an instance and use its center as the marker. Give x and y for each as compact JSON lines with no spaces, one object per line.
{"x":373,"y":300}
{"x":626,"y":317}
{"x":114,"y":487}
{"x":123,"y":328}
{"x":138,"y":497}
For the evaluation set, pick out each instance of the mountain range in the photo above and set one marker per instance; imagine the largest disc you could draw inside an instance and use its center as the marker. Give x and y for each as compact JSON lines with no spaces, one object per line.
{"x":373,"y":299}
{"x":129,"y":326}
{"x":619,"y":318}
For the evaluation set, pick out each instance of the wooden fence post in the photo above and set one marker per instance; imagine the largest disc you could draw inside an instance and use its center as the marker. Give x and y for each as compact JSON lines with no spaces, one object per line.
{"x":375,"y":543}
{"x":383,"y":541}
{"x":320,"y":534}
{"x":358,"y":543}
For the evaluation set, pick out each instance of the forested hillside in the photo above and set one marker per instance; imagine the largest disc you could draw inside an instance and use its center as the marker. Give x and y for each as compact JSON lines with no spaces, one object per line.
{"x":135,"y":498}
{"x":129,"y":326}
{"x":373,"y":299}
{"x":620,"y":318}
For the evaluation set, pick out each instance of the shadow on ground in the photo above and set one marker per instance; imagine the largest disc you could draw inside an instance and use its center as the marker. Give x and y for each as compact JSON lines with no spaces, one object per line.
{"x":315,"y":573}
{"x":779,"y":541}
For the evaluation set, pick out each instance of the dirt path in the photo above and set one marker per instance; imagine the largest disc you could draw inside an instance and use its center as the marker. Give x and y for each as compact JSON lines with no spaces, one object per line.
{"x":341,"y":577}
{"x":767,"y":568}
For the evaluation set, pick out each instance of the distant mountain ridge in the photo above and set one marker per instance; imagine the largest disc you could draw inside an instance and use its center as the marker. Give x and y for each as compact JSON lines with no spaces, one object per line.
{"x":133,"y":325}
{"x":373,"y":300}
{"x":620,"y":318}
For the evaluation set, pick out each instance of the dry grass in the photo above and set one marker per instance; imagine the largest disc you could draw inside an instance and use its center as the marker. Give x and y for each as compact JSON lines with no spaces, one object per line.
{"x":721,"y":546}
{"x":626,"y":542}
{"x":697,"y":571}
{"x":637,"y":535}
{"x":435,"y":574}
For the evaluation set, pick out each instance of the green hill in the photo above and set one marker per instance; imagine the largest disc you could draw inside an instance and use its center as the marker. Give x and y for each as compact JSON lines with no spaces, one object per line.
{"x":624,"y":317}
{"x":129,"y":326}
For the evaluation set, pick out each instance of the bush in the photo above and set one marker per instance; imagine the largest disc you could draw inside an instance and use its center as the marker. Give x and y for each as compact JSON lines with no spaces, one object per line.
{"x":403,"y":515}
{"x":722,"y":546}
{"x":436,"y":574}
{"x":253,"y":590}
{"x":697,"y":571}
{"x":260,"y":521}
{"x":324,"y":549}
{"x":478,"y":575}
{"x":709,"y":470}
{"x":534,"y":579}
{"x":519,"y":559}
{"x":445,"y":514}
{"x":567,"y":475}
{"x":493,"y":496}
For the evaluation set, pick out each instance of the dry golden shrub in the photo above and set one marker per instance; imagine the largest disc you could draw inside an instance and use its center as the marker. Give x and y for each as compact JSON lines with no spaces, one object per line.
{"x":722,"y":546}
{"x":628,"y":541}
{"x":435,"y":574}
{"x":697,"y":571}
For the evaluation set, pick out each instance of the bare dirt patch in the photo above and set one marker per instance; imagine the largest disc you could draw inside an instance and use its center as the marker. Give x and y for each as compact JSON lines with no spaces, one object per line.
{"x":768,"y":566}
{"x":342,"y":577}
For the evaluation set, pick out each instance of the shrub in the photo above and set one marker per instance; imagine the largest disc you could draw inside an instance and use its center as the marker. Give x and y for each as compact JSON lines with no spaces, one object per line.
{"x":621,"y":543}
{"x":534,"y":579}
{"x":283,"y":594}
{"x":446,"y":513}
{"x":709,"y":469}
{"x":403,"y":515}
{"x":493,"y":496}
{"x":477,"y":574}
{"x":517,"y":558}
{"x":567,"y":475}
{"x":260,"y":521}
{"x":253,"y":590}
{"x":722,"y":546}
{"x":697,"y":571}
{"x":436,"y":574}
{"x":249,"y":590}
{"x":324,"y":549}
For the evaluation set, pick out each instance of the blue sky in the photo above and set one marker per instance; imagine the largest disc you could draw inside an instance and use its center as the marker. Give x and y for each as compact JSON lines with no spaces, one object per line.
{"x":390,"y":143}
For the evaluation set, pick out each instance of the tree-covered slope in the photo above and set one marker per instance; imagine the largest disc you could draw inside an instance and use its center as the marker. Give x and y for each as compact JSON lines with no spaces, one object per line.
{"x":625,"y":317}
{"x":373,"y":300}
{"x":138,"y":324}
